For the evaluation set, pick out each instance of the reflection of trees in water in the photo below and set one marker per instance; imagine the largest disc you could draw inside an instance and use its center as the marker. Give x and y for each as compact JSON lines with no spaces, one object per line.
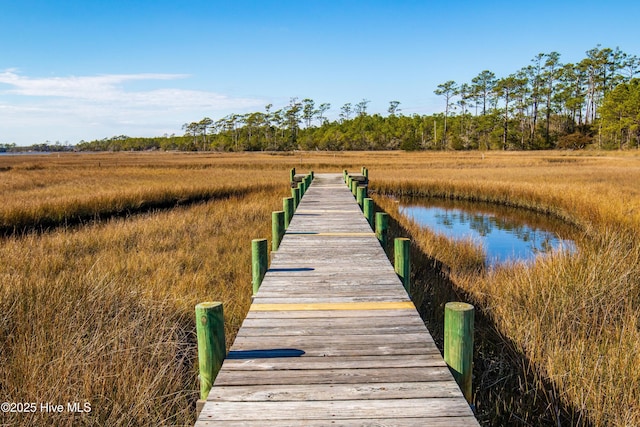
{"x":528,"y":227}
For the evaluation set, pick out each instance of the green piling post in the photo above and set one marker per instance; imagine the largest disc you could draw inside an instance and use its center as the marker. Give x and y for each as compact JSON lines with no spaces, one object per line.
{"x":295,"y":192}
{"x":458,"y":343}
{"x":361,"y":193}
{"x":277,"y":229}
{"x":402,"y":264}
{"x":292,"y":174}
{"x":368,"y":210}
{"x":211,"y":346}
{"x":366,"y":173}
{"x":382,"y":222}
{"x":345,"y":174}
{"x":354,"y":187}
{"x":288,"y":208}
{"x":259,"y":261}
{"x":299,"y":193}
{"x":312,"y":175}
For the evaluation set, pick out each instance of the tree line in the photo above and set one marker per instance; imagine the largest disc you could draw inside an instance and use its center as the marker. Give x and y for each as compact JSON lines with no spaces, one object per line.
{"x":545,"y":104}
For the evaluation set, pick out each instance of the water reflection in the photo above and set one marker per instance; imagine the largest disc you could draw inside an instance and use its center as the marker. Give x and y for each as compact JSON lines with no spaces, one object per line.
{"x":507,"y":234}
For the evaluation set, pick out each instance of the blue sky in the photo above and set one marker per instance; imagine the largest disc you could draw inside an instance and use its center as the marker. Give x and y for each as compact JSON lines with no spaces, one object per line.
{"x":73,"y":70}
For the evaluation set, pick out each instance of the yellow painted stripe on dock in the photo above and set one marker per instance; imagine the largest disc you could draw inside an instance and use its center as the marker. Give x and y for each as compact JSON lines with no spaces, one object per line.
{"x":327,"y":211}
{"x":373,"y":305}
{"x":313,"y":233}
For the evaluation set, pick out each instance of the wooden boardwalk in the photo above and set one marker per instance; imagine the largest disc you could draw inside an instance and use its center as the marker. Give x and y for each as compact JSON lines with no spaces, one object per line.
{"x":332,"y":337}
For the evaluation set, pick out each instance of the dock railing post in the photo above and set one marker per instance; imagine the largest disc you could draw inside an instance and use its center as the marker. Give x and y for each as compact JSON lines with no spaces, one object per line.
{"x":382,"y":222}
{"x":368,"y":210}
{"x":277,"y":229}
{"x":345,"y":174}
{"x":303,"y":187}
{"x":361,"y":194}
{"x":211,"y":346}
{"x":287,"y":207}
{"x":259,"y":262}
{"x":292,"y":174}
{"x":298,"y":195}
{"x":402,"y":264}
{"x":458,"y":344}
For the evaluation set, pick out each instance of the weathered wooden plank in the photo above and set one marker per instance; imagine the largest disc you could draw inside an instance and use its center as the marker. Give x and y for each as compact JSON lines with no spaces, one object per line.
{"x":328,"y":314}
{"x":259,"y":361}
{"x":335,"y":422}
{"x":341,"y":410}
{"x":331,"y":324}
{"x":330,"y":392}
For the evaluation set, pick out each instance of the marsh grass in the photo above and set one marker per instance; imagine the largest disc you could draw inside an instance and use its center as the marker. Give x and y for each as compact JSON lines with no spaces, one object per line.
{"x":103,"y":311}
{"x":570,"y":319}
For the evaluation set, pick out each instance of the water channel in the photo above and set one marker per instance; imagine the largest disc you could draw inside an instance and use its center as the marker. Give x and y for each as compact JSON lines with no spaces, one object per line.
{"x":506,"y":234}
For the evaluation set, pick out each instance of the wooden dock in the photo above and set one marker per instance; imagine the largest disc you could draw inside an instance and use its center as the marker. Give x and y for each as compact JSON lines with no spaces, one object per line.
{"x":332,"y":337}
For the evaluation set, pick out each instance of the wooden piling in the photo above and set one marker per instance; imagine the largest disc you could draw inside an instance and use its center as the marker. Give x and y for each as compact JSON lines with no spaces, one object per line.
{"x":298,"y":195}
{"x":211,"y":345}
{"x":368,"y":210}
{"x":361,"y":193}
{"x":382,"y":222}
{"x":354,"y":187}
{"x":292,"y":174}
{"x":458,"y":343}
{"x":288,"y":208}
{"x":402,"y":264}
{"x":277,"y":229}
{"x":259,"y":262}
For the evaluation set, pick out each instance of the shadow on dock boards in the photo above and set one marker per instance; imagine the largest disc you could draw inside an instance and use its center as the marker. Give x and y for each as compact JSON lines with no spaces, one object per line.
{"x":506,"y":389}
{"x":265,"y":354}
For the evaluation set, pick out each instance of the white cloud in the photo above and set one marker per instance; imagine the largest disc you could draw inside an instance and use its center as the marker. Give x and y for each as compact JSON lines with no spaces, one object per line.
{"x":54,"y":107}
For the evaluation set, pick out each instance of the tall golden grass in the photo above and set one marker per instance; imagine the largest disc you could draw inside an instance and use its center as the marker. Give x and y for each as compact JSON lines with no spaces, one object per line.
{"x":103,"y":312}
{"x":574,"y":317}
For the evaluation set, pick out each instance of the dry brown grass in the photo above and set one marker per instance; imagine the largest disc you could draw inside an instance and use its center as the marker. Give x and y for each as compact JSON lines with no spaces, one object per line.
{"x":104,"y":312}
{"x":573,"y":317}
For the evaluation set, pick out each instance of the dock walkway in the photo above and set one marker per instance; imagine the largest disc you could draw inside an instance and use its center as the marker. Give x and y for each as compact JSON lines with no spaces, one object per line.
{"x":332,"y":337}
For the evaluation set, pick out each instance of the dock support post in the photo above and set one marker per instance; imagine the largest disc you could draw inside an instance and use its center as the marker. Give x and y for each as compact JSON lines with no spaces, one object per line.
{"x":211,"y":346}
{"x":366,"y":173}
{"x":287,"y":207}
{"x":458,"y":343}
{"x":277,"y":229}
{"x":368,"y":210}
{"x":292,"y":174}
{"x":259,"y":261}
{"x":298,"y":195}
{"x":345,"y":174}
{"x":402,"y":264}
{"x":361,"y":194}
{"x":354,"y":187}
{"x":382,"y":222}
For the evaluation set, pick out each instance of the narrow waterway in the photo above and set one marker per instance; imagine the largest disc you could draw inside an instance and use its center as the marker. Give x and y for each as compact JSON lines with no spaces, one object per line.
{"x":506,"y":234}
